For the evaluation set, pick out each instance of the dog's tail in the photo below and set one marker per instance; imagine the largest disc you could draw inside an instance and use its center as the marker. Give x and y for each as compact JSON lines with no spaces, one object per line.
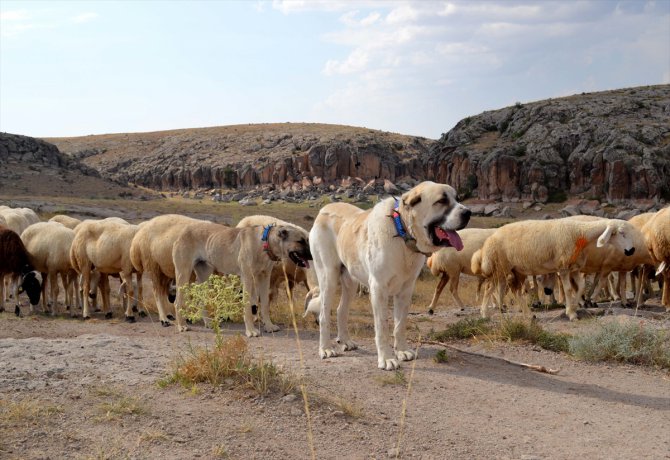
{"x":429,"y":262}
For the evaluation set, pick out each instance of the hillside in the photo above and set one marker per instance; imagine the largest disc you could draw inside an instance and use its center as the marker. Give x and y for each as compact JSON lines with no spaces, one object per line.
{"x":244,"y":156}
{"x":30,"y":166}
{"x":609,"y":145}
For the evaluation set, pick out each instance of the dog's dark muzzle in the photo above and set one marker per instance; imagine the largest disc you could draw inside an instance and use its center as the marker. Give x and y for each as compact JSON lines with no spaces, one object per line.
{"x":629,"y":252}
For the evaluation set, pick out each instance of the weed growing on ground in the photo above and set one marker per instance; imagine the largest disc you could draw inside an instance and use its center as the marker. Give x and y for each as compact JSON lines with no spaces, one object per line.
{"x":531,"y":332}
{"x":463,"y":329}
{"x":397,"y":378}
{"x":632,"y":343}
{"x":217,"y":300}
{"x":441,"y":357}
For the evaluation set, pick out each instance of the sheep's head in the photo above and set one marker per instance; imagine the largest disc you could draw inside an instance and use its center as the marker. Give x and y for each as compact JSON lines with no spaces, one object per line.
{"x":433,"y":215}
{"x":31,"y":284}
{"x":619,"y":234}
{"x":294,"y":243}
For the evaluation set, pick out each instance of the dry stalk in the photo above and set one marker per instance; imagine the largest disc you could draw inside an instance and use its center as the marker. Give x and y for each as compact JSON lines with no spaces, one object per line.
{"x":533,"y":367}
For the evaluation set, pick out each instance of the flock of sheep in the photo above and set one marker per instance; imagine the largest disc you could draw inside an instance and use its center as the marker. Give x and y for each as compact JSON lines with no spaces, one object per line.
{"x":558,"y":252}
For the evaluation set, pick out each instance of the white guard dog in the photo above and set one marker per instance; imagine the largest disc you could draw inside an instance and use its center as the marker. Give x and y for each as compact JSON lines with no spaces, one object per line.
{"x":383,"y":248}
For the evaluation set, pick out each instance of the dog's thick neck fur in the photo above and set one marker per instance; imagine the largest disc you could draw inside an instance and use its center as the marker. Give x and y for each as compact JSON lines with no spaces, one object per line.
{"x":402,"y":230}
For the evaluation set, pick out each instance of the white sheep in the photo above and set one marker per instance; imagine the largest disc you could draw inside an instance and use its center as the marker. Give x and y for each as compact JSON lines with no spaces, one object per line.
{"x":104,"y":245}
{"x":448,"y":263}
{"x":69,"y":222}
{"x":657,"y":236}
{"x":536,"y":247}
{"x":48,"y":245}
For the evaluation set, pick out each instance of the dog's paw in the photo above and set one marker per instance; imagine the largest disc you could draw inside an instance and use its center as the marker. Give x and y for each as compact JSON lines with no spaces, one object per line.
{"x":253,"y":332}
{"x":405,"y":355}
{"x":270,"y":327}
{"x":327,"y":353}
{"x":183,"y":328}
{"x":388,"y":364}
{"x":347,"y":345}
{"x":166,"y":323}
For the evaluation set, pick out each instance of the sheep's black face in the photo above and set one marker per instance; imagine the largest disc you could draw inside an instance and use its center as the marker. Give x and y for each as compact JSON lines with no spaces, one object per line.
{"x":31,"y":284}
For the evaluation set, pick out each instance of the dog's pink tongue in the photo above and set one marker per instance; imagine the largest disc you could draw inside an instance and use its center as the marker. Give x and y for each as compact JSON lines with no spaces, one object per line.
{"x":451,"y":236}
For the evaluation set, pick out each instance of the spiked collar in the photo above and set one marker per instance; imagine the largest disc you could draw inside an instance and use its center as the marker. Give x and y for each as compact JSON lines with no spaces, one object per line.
{"x":402,"y":230}
{"x":266,"y":243}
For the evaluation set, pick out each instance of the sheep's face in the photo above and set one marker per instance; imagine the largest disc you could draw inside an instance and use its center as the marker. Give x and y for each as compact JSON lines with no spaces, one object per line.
{"x":433,"y":215}
{"x":619,"y":234}
{"x":31,"y":284}
{"x":295,"y":245}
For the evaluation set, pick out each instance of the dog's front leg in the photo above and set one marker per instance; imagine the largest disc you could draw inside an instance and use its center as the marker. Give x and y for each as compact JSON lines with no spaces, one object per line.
{"x":401,"y":303}
{"x":379,"y":298}
{"x":264,"y":294}
{"x":328,"y":286}
{"x":248,"y":284}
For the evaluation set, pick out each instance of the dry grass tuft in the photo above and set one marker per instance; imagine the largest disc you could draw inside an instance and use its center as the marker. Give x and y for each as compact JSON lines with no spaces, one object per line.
{"x":26,"y":410}
{"x":229,"y":363}
{"x":397,"y":378}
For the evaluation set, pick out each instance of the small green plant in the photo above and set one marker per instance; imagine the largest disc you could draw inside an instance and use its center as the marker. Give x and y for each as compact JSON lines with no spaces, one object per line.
{"x":218,"y":299}
{"x":441,"y":357}
{"x":463,"y":329}
{"x":531,"y":332}
{"x":629,"y":343}
{"x":124,"y":406}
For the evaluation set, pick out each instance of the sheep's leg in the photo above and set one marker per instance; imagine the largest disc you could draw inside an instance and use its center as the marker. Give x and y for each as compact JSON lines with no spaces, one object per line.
{"x":438,"y":291}
{"x":86,"y":286}
{"x":160,"y":287}
{"x":127,"y":295}
{"x":53,"y":284}
{"x":45,"y":287}
{"x":485,"y":307}
{"x":453,"y":288}
{"x":105,"y":292}
{"x":621,"y":288}
{"x":639,"y":292}
{"x":139,"y":301}
{"x":2,"y":293}
{"x":570,"y":309}
{"x":665,"y":298}
{"x":349,"y":288}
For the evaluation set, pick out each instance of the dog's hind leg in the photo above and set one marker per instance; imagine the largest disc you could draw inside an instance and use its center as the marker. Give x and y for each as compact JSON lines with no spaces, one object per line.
{"x":348,"y":292}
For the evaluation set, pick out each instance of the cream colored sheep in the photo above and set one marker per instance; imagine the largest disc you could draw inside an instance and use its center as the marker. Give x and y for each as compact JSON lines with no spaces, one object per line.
{"x":104,"y":245}
{"x":69,"y":222}
{"x":16,"y":220}
{"x":294,"y":273}
{"x":29,"y":214}
{"x":48,"y":245}
{"x":657,"y":236}
{"x":181,"y":248}
{"x":448,"y":263}
{"x":539,"y":247}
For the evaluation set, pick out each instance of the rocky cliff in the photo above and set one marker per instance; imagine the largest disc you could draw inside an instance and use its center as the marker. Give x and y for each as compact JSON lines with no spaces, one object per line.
{"x":609,"y":145}
{"x":30,"y":166}
{"x":245,"y":156}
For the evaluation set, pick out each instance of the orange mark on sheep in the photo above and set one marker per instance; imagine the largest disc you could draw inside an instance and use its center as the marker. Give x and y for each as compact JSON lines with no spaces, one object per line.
{"x":580,"y":244}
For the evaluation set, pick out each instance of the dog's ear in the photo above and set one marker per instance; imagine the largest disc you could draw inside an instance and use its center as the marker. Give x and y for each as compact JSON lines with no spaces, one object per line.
{"x":411,"y":198}
{"x":282,"y":233}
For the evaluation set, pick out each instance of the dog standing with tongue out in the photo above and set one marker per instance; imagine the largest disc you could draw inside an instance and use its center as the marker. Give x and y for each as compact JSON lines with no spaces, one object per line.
{"x":384,"y":249}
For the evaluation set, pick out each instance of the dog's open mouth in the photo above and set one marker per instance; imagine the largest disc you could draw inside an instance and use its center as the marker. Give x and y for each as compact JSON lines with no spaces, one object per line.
{"x":446,"y":238}
{"x":299,"y":259}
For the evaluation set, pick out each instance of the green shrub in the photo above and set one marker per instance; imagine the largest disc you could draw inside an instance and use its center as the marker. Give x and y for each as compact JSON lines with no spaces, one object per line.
{"x":531,"y":332}
{"x":463,"y":329}
{"x":628,"y":343}
{"x":218,"y":299}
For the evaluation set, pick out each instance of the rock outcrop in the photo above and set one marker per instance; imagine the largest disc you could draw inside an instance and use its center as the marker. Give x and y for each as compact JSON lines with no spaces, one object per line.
{"x":610,"y":145}
{"x":246,"y":156}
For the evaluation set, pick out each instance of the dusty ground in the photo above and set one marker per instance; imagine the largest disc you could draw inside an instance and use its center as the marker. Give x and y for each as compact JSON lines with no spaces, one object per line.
{"x":74,"y":389}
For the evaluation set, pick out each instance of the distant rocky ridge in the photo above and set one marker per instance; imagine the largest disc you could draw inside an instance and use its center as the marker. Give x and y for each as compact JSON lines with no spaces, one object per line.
{"x":608,"y":146}
{"x":33,"y":166}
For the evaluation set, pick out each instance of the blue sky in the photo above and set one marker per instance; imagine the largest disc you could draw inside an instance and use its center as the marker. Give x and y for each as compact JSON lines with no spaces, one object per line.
{"x":87,"y":67}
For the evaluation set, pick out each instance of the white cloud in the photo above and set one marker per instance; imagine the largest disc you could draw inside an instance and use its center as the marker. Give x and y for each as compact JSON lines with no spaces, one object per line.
{"x":16,"y":15}
{"x":402,"y":14}
{"x":355,"y":62}
{"x":84,"y":17}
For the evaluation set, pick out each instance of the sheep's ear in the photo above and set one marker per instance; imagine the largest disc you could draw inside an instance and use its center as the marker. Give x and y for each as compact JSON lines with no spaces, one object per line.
{"x":605,"y":237}
{"x":282,"y":233}
{"x":411,"y":198}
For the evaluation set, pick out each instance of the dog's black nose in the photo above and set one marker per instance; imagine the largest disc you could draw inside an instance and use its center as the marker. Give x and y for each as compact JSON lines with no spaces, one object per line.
{"x":548,"y":291}
{"x":629,"y":252}
{"x":466,"y":216}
